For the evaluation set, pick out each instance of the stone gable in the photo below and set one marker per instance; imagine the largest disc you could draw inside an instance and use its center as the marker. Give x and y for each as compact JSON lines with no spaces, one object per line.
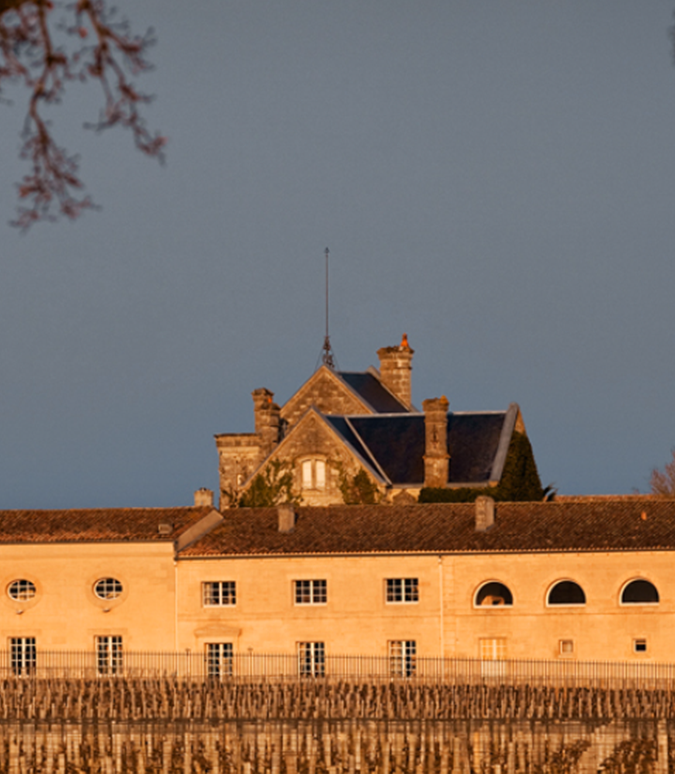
{"x":310,"y":442}
{"x":325,"y":391}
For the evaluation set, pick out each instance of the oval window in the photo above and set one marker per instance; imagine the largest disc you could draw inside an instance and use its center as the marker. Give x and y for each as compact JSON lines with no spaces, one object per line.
{"x":494,"y":594}
{"x":566,"y":593}
{"x":108,"y":588}
{"x":639,"y":592}
{"x":21,"y":590}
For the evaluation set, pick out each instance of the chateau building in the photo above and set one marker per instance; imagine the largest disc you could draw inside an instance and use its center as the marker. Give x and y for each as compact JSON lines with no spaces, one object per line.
{"x":313,"y":577}
{"x":343,"y":429}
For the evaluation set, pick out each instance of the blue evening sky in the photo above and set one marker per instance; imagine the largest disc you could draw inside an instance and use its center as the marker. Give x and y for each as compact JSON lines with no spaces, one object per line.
{"x":496,"y":179}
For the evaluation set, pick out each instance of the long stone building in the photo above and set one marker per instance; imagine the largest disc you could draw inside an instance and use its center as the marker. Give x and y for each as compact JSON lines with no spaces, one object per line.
{"x":589,"y":580}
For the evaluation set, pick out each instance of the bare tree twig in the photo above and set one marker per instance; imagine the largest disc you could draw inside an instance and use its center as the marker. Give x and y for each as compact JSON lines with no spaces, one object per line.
{"x":107,"y":51}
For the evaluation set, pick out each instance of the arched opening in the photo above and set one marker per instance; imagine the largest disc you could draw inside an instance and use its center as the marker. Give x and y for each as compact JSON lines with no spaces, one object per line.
{"x":493,"y":594}
{"x":566,"y":593}
{"x":639,"y":592}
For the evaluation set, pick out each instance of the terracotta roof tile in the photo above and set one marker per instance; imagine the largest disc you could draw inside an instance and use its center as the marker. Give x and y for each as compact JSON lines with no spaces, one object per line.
{"x":606,"y":525}
{"x":96,"y":524}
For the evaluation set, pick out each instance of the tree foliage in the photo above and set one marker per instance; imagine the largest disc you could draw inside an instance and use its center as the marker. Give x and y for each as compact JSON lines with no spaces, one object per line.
{"x":271,"y":487}
{"x":520,"y":480}
{"x":44,"y":45}
{"x":662,"y":482}
{"x":358,"y":489}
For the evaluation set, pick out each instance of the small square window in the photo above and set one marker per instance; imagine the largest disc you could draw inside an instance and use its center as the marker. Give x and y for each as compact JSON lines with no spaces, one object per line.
{"x":311,"y":592}
{"x":566,"y":647}
{"x":219,"y":593}
{"x":640,"y":646}
{"x":402,"y":590}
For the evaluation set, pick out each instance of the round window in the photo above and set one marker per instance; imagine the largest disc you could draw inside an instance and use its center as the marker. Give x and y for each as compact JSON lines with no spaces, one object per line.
{"x":21,"y":590}
{"x":108,"y":588}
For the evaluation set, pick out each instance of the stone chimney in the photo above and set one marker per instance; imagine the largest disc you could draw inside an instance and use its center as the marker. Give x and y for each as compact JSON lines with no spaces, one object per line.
{"x":396,"y":368}
{"x":203,"y":498}
{"x":267,"y":420}
{"x":436,"y":457}
{"x":286,"y":514}
{"x":485,"y":513}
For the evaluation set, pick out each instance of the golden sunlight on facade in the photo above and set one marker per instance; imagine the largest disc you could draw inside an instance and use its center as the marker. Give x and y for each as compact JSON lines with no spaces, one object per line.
{"x":339,"y":560}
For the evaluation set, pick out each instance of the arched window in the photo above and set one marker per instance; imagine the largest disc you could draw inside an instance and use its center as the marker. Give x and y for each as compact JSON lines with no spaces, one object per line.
{"x":493,"y":594}
{"x":566,"y":593}
{"x":639,"y":592}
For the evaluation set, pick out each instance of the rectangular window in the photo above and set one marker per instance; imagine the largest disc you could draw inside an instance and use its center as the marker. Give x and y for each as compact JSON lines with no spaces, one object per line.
{"x":493,"y":653}
{"x":640,"y":646}
{"x":311,"y":592}
{"x":402,"y":590}
{"x":313,"y":474}
{"x":109,"y":655}
{"x":311,"y":659}
{"x":219,"y":658}
{"x":402,"y":658}
{"x":219,"y":593}
{"x":320,"y":472}
{"x":566,"y":647}
{"x":22,"y":655}
{"x":493,"y":650}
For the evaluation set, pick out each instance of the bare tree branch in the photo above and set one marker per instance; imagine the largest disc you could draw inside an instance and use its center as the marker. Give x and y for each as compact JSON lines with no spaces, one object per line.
{"x":662,"y":482}
{"x":107,"y":51}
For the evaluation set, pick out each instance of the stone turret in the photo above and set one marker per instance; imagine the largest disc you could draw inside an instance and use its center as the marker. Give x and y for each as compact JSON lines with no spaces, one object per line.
{"x":436,"y":456}
{"x":396,"y":368}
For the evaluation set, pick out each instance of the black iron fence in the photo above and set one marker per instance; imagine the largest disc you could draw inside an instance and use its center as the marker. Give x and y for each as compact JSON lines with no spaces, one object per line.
{"x":221,"y":663}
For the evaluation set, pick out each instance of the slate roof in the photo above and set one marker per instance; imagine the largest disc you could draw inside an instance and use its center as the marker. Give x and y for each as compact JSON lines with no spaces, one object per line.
{"x":396,"y":443}
{"x":97,"y":524}
{"x":610,"y":525}
{"x":375,"y":394}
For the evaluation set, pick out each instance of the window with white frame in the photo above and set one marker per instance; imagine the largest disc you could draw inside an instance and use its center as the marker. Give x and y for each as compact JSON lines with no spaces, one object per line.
{"x":402,"y":658}
{"x":108,"y":588}
{"x":313,"y":474}
{"x":311,"y":659}
{"x":311,"y":592}
{"x":22,"y":655}
{"x":401,"y":590}
{"x":219,"y":593}
{"x":493,"y":649}
{"x":219,"y":659}
{"x":109,"y":660}
{"x":21,"y":590}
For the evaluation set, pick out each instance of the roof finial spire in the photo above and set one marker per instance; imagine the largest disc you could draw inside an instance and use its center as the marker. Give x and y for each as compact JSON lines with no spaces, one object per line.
{"x":327,"y":357}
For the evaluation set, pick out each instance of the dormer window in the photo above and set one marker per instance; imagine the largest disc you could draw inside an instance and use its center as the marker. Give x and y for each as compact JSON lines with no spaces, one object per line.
{"x":313,"y":474}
